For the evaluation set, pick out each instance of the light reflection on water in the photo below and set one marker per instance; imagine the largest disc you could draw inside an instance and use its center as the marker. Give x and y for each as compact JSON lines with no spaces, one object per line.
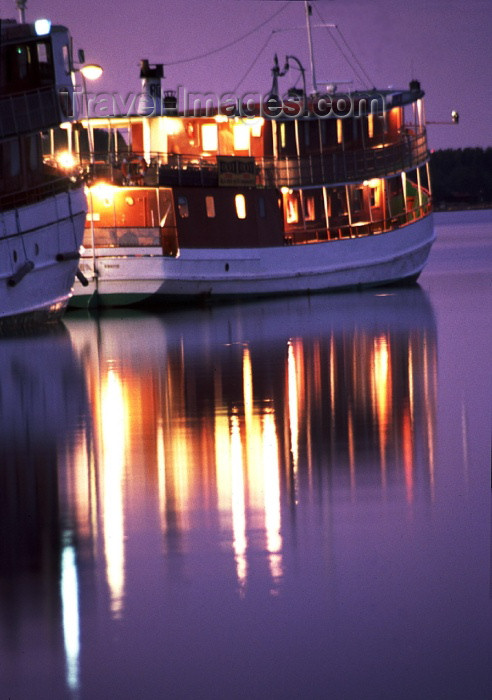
{"x":248,"y":501}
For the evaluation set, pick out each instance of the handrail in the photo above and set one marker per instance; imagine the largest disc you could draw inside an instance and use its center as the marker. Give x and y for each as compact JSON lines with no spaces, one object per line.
{"x":29,"y":111}
{"x":299,"y":236}
{"x":49,"y":188}
{"x":327,"y":168}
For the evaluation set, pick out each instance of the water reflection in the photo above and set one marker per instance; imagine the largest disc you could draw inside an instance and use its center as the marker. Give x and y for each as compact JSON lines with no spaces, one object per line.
{"x":224,"y":419}
{"x":43,"y":411}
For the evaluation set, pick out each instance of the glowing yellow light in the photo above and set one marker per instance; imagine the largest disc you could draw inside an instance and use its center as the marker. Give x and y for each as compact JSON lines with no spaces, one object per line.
{"x":220,"y":118}
{"x":241,"y":137}
{"x":374,"y":182}
{"x":284,"y":190}
{"x":172,"y":126}
{"x":210,"y":140}
{"x":65,"y":160}
{"x":113,"y":412}
{"x":255,"y":125}
{"x":240,"y":206}
{"x":91,"y":71}
{"x":103,"y":191}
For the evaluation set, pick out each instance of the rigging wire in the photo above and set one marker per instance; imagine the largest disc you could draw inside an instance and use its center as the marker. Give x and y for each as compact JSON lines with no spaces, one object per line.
{"x":359,"y":71}
{"x":254,"y":61}
{"x":231,"y":43}
{"x":364,"y":72}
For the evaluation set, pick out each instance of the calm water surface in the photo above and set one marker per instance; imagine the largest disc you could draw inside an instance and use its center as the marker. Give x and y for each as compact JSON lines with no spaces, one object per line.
{"x":270,"y":500}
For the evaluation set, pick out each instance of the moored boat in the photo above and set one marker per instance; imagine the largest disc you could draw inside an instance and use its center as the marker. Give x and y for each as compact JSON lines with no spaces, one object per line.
{"x":42,"y":210}
{"x":316,"y":190}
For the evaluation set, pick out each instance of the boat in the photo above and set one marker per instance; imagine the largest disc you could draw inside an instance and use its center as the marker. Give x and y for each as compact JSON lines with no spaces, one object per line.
{"x":310,"y":191}
{"x":42,"y":208}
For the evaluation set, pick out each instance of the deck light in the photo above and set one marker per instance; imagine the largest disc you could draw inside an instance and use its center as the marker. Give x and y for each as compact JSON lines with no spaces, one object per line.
{"x":91,"y":71}
{"x":42,"y":27}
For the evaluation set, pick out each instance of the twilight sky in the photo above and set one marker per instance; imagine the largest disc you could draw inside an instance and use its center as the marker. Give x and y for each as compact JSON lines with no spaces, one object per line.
{"x":446,"y":44}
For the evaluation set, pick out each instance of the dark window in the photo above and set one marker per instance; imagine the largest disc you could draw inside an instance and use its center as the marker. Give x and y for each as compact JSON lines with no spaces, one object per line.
{"x":183,"y":208}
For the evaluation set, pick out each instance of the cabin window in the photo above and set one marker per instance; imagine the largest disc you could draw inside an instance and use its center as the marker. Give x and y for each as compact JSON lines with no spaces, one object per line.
{"x":15,"y":163}
{"x":370,"y":125}
{"x":358,"y":199}
{"x":309,"y":208}
{"x":339,"y":131}
{"x":292,"y":211}
{"x":374,"y":196}
{"x":210,"y":141}
{"x":42,"y":53}
{"x":210,"y":207}
{"x":23,"y":59}
{"x":241,"y":137}
{"x":282,"y":135}
{"x":240,"y":206}
{"x":307,"y":127}
{"x":183,"y":209}
{"x":261,"y":207}
{"x":34,"y":154}
{"x":66,"y":58}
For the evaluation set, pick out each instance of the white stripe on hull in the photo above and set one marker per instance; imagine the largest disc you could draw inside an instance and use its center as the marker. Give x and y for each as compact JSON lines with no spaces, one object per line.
{"x":37,"y":234}
{"x":365,"y":261}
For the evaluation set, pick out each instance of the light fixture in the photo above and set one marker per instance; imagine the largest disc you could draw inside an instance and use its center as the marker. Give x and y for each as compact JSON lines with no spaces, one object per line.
{"x":42,"y":27}
{"x":91,"y":71}
{"x":66,"y":160}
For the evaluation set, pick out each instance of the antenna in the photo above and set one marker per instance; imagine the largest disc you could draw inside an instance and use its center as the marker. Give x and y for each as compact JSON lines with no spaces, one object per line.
{"x":21,"y":6}
{"x":309,"y":11}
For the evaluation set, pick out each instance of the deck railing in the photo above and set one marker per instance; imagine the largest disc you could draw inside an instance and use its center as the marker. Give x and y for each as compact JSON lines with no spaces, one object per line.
{"x":51,"y":186}
{"x":357,"y":230}
{"x":30,"y":111}
{"x":328,"y":168}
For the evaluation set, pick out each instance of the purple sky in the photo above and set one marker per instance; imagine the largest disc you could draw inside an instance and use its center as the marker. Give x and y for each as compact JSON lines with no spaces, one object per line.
{"x":445,"y":44}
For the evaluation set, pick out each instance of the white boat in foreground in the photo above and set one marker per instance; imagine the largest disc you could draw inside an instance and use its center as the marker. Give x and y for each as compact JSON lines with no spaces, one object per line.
{"x":42,"y":211}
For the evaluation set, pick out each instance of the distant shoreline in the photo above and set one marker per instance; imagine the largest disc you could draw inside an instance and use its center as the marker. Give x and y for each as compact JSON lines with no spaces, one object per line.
{"x":443,"y":207}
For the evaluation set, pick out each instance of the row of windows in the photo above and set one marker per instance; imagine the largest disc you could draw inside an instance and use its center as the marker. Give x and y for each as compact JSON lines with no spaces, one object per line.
{"x":239,"y":203}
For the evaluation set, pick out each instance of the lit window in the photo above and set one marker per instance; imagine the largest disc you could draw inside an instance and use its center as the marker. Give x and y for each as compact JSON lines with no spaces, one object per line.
{"x":209,"y":137}
{"x":240,"y":206}
{"x":339,"y":131}
{"x":183,"y":209}
{"x":292,"y":211}
{"x":210,"y":206}
{"x":241,"y":137}
{"x":309,"y":208}
{"x":370,"y":125}
{"x":282,"y":135}
{"x":374,"y":194}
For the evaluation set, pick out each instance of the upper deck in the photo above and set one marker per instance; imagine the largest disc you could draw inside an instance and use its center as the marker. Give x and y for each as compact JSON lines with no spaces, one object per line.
{"x":36,"y":88}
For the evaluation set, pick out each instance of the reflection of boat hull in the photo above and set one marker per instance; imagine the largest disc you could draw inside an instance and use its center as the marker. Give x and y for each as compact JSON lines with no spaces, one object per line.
{"x":125,"y":278}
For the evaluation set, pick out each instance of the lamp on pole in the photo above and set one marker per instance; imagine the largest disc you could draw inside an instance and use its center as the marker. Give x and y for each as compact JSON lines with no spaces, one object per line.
{"x":91,"y":71}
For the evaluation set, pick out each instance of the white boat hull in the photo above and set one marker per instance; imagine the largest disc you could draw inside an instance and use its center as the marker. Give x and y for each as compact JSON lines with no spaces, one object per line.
{"x":130,"y":275}
{"x":39,"y":246}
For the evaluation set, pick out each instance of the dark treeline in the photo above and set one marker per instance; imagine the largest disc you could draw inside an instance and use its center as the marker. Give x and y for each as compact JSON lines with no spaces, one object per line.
{"x":462,"y":177}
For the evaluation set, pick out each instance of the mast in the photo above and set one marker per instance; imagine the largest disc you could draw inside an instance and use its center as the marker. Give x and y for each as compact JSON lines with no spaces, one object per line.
{"x":308,"y":10}
{"x":21,"y":6}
